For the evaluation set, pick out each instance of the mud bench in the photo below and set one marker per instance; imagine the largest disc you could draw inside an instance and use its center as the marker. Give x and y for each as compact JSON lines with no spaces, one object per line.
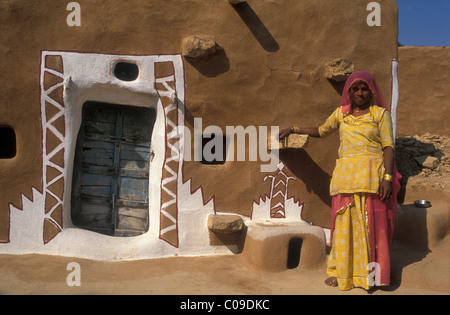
{"x":271,"y":247}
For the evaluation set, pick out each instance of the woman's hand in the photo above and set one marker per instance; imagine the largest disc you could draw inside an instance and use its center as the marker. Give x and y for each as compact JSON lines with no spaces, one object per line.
{"x":284,"y":133}
{"x":385,"y":190}
{"x":310,"y":131}
{"x":386,"y":185}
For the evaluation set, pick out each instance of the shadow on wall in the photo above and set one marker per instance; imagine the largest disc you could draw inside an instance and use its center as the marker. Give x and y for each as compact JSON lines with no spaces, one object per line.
{"x":306,"y":170}
{"x":216,"y":65}
{"x":337,"y":85}
{"x":316,"y":180}
{"x":410,"y":244}
{"x":256,"y":26}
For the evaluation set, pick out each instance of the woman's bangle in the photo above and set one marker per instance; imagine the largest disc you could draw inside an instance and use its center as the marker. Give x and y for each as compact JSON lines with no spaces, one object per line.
{"x":295,"y":130}
{"x":388,"y":177}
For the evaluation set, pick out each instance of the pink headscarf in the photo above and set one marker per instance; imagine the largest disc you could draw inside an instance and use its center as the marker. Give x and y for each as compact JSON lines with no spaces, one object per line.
{"x":367,"y":77}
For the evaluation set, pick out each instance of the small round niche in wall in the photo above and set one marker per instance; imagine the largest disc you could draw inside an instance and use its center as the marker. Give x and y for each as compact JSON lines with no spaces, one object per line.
{"x":126,"y":71}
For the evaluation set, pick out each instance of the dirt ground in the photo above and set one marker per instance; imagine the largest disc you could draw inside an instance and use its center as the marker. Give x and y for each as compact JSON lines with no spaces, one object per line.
{"x":413,"y":272}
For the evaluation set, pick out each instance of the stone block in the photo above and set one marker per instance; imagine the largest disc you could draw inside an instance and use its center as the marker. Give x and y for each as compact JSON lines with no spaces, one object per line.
{"x":428,"y":161}
{"x":200,"y":47}
{"x":294,"y":141}
{"x":339,"y":70}
{"x":225,"y":224}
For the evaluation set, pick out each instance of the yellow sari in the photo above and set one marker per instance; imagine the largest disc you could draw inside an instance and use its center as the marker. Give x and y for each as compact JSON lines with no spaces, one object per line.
{"x":356,"y":176}
{"x":350,"y":255}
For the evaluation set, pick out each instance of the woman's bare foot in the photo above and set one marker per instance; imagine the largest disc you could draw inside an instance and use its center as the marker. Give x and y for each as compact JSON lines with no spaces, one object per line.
{"x":331,"y":282}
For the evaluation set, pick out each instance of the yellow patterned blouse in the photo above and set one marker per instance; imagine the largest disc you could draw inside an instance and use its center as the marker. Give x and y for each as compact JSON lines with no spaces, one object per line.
{"x":360,"y":165}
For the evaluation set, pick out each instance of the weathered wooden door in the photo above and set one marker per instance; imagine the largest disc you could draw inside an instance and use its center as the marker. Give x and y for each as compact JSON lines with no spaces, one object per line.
{"x":111,"y":169}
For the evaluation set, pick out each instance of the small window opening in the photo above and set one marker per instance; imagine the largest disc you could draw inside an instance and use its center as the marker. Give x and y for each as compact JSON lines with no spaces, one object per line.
{"x":214,"y":149}
{"x":294,"y":249}
{"x":126,"y":71}
{"x":7,"y":143}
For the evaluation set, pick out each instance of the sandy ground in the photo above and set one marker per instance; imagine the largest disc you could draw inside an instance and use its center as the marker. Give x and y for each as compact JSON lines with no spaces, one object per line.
{"x":413,"y":272}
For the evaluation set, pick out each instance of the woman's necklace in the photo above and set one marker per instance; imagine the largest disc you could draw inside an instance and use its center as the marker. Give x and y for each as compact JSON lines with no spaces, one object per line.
{"x":358,"y":110}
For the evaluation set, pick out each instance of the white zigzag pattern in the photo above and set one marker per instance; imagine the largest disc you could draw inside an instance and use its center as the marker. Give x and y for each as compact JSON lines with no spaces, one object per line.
{"x":172,"y":133}
{"x":48,"y":155}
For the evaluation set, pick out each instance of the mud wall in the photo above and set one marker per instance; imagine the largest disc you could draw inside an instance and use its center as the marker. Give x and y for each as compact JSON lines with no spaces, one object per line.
{"x":270,"y":72}
{"x":424,"y":98}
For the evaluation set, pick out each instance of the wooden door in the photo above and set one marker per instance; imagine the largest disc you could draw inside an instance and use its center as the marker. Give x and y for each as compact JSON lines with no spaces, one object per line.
{"x":111,"y":169}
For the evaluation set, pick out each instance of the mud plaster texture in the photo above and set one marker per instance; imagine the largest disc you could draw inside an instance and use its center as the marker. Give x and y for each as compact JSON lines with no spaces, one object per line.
{"x":268,"y":74}
{"x":285,"y":65}
{"x":424,"y":100}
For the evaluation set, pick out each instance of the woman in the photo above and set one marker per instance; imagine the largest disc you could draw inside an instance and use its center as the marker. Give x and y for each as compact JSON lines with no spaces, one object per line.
{"x":364,"y":185}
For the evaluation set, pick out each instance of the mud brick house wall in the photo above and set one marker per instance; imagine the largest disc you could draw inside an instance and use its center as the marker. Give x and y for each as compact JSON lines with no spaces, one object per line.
{"x":422,"y":74}
{"x":102,"y":103}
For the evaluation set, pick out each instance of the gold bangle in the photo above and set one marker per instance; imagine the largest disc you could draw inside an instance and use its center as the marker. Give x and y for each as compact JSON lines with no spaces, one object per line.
{"x":388,"y":177}
{"x":296,"y":130}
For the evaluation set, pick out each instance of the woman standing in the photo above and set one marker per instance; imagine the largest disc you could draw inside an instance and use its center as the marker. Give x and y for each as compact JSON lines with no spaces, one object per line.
{"x":364,"y":185}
